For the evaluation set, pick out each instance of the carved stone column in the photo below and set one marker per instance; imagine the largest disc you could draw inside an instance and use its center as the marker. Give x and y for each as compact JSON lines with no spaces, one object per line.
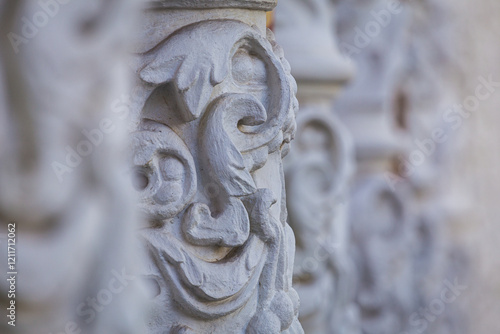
{"x":214,"y":119}
{"x":319,"y":168}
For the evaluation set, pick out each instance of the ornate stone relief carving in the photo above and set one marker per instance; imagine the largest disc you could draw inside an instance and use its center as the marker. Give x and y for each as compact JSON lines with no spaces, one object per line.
{"x":215,"y":119}
{"x":73,"y":210}
{"x":384,"y":243}
{"x":318,"y":169}
{"x":316,"y":197}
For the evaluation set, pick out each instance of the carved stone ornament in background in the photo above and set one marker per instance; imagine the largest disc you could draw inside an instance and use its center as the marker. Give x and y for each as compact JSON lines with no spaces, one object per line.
{"x":319,"y":168}
{"x":317,"y":174}
{"x":214,"y":121}
{"x":383,"y":237}
{"x":398,"y":214}
{"x":428,"y":90}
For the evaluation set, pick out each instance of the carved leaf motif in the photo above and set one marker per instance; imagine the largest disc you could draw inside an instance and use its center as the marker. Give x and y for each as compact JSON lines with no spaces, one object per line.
{"x":194,"y":62}
{"x":192,"y":79}
{"x":240,"y":125}
{"x":231,"y":280}
{"x":226,"y":165}
{"x":188,"y":61}
{"x":223,"y":157}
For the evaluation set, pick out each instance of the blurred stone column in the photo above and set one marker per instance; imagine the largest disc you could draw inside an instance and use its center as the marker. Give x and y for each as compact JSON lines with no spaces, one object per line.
{"x":319,"y":168}
{"x":374,"y":33}
{"x":395,"y":110}
{"x":66,"y":211}
{"x":427,"y":93}
{"x":214,"y":119}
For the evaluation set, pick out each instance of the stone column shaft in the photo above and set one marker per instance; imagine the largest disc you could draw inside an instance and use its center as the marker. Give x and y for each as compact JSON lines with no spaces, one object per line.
{"x":214,"y":121}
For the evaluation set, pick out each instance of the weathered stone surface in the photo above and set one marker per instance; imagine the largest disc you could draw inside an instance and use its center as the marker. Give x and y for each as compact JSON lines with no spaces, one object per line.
{"x":215,"y":118}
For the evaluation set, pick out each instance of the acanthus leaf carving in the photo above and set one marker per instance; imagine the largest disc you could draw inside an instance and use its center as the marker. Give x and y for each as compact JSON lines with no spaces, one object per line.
{"x":218,"y":148}
{"x":224,"y":250}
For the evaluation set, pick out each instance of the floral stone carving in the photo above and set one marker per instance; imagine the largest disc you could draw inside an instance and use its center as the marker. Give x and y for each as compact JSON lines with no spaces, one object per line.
{"x":216,"y":117}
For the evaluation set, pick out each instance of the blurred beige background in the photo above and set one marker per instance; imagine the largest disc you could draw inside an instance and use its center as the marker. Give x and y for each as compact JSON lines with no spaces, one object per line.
{"x":476,"y":169}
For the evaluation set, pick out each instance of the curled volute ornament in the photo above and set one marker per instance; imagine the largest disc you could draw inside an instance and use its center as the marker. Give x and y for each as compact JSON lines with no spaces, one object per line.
{"x":219,"y":109}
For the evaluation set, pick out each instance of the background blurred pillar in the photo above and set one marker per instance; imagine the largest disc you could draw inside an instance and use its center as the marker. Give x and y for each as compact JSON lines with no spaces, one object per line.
{"x":214,"y":119}
{"x":374,"y":33}
{"x":62,"y":68}
{"x":319,"y":168}
{"x":396,"y":110}
{"x":426,"y":95}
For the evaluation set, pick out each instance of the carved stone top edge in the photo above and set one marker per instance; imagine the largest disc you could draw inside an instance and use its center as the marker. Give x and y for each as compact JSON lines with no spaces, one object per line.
{"x":265,"y":5}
